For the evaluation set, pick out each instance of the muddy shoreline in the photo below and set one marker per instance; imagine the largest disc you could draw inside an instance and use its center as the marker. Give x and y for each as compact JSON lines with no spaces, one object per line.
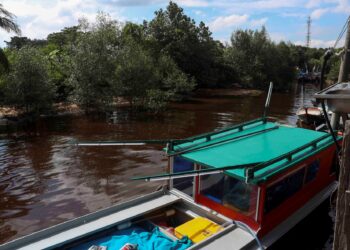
{"x":10,"y":115}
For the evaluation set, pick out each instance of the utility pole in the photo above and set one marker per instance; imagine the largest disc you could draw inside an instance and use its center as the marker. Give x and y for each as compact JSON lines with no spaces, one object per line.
{"x":343,"y":72}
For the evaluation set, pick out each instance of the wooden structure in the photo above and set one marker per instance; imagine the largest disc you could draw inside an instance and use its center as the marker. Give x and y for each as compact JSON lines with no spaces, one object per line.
{"x":342,"y":222}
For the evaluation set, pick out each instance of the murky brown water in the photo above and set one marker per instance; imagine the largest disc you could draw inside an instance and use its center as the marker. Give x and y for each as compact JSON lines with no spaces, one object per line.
{"x":44,"y":180}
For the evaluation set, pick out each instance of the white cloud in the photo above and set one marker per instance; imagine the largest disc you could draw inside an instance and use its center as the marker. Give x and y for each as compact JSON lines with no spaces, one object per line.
{"x":262,"y":5}
{"x":278,"y":37}
{"x":293,"y":14}
{"x":321,"y":43}
{"x":39,"y":18}
{"x":258,"y":22}
{"x":337,"y":6}
{"x":199,"y":13}
{"x":134,"y":2}
{"x":313,"y":3}
{"x":4,"y":36}
{"x":223,"y":22}
{"x":224,"y":41}
{"x":193,"y":3}
{"x":343,"y":7}
{"x":316,"y":14}
{"x":318,"y":43}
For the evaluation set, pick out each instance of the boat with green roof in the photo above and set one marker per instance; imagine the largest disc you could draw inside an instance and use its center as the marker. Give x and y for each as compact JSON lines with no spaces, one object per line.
{"x":241,"y":187}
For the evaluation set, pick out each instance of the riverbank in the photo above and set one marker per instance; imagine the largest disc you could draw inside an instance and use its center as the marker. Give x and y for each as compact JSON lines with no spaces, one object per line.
{"x":232,"y":92}
{"x":8,"y":114}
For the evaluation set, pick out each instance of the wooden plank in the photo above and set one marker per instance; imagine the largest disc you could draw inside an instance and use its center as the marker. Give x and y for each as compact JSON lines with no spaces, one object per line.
{"x":342,"y":219}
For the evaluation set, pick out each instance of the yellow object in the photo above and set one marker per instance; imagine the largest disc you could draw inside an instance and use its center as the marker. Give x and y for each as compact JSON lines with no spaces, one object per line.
{"x":197,"y":229}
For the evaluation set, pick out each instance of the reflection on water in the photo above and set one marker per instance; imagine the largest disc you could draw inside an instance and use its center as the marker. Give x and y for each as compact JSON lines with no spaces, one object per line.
{"x":45,"y":180}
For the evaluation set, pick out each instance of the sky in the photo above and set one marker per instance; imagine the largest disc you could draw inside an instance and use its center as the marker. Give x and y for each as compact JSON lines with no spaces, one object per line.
{"x":284,"y":19}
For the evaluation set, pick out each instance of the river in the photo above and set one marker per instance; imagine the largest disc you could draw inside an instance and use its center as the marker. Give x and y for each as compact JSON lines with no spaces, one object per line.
{"x":45,"y":180}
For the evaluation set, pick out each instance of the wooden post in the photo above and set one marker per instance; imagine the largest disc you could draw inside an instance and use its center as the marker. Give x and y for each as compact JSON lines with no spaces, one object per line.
{"x":342,"y":218}
{"x":345,"y":62}
{"x":343,"y":73}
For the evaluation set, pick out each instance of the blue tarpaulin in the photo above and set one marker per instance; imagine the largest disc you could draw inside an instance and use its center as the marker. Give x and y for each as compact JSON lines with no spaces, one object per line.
{"x":144,"y":240}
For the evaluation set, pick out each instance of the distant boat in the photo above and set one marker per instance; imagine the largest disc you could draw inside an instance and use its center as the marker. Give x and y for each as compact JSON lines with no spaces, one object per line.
{"x":310,"y":115}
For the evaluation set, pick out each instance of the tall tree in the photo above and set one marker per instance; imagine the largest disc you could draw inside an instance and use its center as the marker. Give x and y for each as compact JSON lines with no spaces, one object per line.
{"x":18,"y":42}
{"x":257,"y":60}
{"x":8,"y":24}
{"x":191,"y":46}
{"x":93,"y":61}
{"x":28,"y":85}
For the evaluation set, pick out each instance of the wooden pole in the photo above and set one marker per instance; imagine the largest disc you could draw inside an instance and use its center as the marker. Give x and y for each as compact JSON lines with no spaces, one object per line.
{"x":343,"y":73}
{"x":342,"y":218}
{"x":345,"y":62}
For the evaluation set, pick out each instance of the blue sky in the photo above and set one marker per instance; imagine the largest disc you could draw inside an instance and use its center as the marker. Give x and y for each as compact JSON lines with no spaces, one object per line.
{"x":284,"y":19}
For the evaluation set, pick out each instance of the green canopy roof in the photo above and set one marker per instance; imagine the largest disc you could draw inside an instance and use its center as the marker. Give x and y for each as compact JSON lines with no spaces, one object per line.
{"x":255,"y":143}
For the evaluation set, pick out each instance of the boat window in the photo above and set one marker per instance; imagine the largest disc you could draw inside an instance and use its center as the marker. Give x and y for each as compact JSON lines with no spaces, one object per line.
{"x":230,"y":192}
{"x":212,"y":186}
{"x":238,"y":194}
{"x":183,"y":184}
{"x":283,"y":189}
{"x":312,"y":171}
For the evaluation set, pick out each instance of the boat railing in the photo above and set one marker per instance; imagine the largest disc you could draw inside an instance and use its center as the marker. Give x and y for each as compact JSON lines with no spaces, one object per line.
{"x":289,"y":157}
{"x":209,"y":136}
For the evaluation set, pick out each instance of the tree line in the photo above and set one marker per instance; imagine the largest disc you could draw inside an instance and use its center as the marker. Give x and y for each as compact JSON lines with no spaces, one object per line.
{"x":148,"y":64}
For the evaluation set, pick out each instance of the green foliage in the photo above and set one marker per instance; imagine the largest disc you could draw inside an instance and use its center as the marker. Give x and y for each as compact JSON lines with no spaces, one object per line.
{"x":93,"y":63}
{"x":149,"y":64}
{"x":28,"y":85}
{"x":190,"y":46}
{"x":18,"y":42}
{"x":7,"y":22}
{"x":135,"y":74}
{"x":257,"y":60}
{"x":307,"y":59}
{"x":66,"y":37}
{"x":134,"y":33}
{"x":172,"y":80}
{"x":4,"y":63}
{"x":59,"y":69}
{"x":149,"y":82}
{"x":334,"y":66}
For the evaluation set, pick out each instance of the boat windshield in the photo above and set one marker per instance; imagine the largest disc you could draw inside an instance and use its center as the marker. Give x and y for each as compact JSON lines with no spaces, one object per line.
{"x":183,"y":184}
{"x":230,"y":192}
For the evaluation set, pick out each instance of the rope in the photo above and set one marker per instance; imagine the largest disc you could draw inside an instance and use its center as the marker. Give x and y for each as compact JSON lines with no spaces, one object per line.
{"x":342,"y":32}
{"x":245,"y":227}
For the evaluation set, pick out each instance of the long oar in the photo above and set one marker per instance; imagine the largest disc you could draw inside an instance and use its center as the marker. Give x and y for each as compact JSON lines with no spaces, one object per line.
{"x":128,"y":142}
{"x":223,"y":141}
{"x":192,"y":173}
{"x":165,"y":141}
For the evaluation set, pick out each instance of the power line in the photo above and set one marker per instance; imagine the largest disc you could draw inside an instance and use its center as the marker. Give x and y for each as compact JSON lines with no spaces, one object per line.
{"x":342,"y":32}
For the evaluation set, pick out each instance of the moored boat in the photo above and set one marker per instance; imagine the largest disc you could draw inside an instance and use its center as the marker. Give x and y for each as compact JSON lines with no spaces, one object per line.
{"x":241,"y":187}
